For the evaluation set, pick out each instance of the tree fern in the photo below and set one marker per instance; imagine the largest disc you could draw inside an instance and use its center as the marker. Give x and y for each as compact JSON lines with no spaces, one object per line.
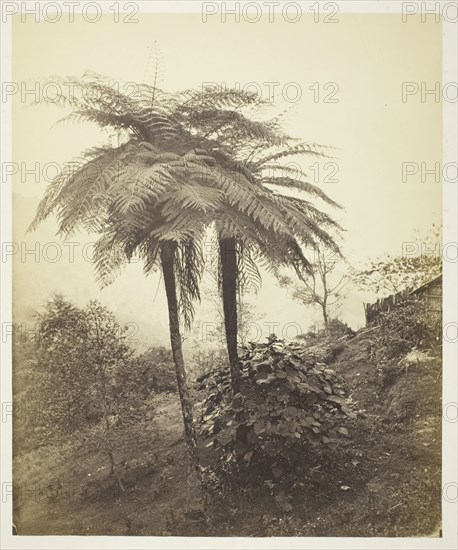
{"x":191,"y":160}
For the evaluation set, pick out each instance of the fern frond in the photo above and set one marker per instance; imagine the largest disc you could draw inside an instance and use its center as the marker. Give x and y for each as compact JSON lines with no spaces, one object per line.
{"x":293,"y":183}
{"x":188,"y":265}
{"x":109,"y":258}
{"x":249,"y":276}
{"x":195,"y":197}
{"x":306,"y":149}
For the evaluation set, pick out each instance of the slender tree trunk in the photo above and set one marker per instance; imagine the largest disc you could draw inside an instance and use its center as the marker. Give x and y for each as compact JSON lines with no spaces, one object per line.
{"x":167,"y":260}
{"x":228,"y":257}
{"x":325,"y":315}
{"x":324,"y":303}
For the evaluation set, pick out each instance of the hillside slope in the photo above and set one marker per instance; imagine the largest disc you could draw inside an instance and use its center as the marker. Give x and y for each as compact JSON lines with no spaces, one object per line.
{"x":383,"y":481}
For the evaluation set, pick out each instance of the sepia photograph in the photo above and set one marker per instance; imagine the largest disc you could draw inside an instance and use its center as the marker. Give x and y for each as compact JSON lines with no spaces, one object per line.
{"x":229,"y":274}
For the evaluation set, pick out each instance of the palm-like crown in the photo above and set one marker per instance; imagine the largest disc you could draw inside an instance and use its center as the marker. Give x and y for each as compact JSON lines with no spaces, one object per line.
{"x":190,"y":162}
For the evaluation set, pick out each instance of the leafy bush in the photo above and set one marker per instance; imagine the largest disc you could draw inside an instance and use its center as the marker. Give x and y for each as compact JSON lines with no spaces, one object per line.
{"x":337,"y":329}
{"x":203,"y":361}
{"x":78,"y":375}
{"x":286,"y":405}
{"x":409,"y":325}
{"x":157,"y":370}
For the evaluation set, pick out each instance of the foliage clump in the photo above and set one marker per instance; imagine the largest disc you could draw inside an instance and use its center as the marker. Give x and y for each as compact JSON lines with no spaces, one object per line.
{"x":338,"y":328}
{"x":335,"y":331}
{"x":157,"y":370}
{"x":286,"y":406}
{"x":410,"y":325}
{"x":77,"y":376}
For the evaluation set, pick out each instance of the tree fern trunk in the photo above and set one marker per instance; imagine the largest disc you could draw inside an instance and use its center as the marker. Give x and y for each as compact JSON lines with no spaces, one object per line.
{"x":228,"y":257}
{"x":167,"y":261}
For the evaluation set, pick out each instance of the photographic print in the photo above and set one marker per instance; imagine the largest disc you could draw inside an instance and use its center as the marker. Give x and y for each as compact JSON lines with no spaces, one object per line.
{"x":229,"y":274}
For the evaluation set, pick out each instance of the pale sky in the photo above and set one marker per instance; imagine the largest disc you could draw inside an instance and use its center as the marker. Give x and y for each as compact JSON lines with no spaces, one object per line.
{"x":367,"y":57}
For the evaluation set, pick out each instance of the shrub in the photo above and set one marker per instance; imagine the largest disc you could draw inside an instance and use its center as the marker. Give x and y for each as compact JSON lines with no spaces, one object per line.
{"x":286,"y":406}
{"x":78,"y":375}
{"x":337,"y":329}
{"x":203,"y":361}
{"x":157,"y":370}
{"x":408,"y":325}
